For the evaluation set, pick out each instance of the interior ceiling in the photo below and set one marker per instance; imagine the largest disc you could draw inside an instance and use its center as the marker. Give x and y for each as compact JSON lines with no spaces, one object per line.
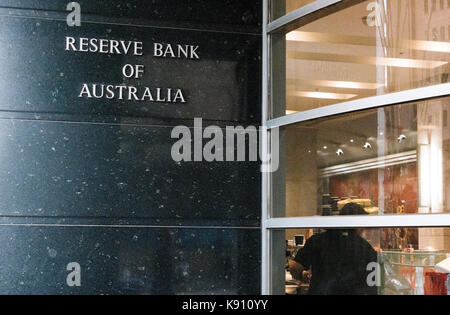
{"x":351,"y":132}
{"x":339,"y":57}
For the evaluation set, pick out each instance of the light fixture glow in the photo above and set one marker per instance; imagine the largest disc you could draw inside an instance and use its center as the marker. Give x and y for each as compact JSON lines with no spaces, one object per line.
{"x":367,"y":145}
{"x":316,"y":37}
{"x":401,"y":138}
{"x":336,"y":84}
{"x":367,"y":60}
{"x":324,"y":95}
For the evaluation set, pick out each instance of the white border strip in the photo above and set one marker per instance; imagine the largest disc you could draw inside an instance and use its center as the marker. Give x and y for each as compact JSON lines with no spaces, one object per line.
{"x":379,"y":221}
{"x":299,"y":13}
{"x":361,"y":104}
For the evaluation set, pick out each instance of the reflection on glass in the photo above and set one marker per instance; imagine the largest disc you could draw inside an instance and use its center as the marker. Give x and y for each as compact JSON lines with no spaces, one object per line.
{"x":368,"y":49}
{"x":388,"y":261}
{"x":390,"y":160}
{"x":278,"y":8}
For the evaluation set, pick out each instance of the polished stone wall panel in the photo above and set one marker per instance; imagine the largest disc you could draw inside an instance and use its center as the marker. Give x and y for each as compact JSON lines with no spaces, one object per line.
{"x":100,"y":170}
{"x":41,"y":76}
{"x":225,"y":15}
{"x":93,"y":181}
{"x":124,"y":260}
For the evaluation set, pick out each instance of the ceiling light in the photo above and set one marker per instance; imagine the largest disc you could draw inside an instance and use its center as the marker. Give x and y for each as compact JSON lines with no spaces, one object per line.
{"x":324,"y":95}
{"x":367,"y":60}
{"x":401,"y":138}
{"x":352,"y":140}
{"x":325,"y":147}
{"x":367,"y":145}
{"x":339,"y":152}
{"x":336,"y":84}
{"x":330,"y":38}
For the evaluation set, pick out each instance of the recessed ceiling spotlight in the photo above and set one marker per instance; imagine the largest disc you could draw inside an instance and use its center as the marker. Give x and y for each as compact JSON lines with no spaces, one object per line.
{"x":325,"y":147}
{"x":401,"y":138}
{"x":381,"y":133}
{"x":339,"y":152}
{"x":367,"y":145}
{"x":352,"y":140}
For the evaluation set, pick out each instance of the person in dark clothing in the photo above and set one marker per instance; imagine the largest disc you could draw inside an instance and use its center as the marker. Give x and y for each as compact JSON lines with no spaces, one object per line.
{"x":338,"y":260}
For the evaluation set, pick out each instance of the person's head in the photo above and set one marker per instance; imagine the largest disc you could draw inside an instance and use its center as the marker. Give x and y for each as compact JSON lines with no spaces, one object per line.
{"x":353,"y":209}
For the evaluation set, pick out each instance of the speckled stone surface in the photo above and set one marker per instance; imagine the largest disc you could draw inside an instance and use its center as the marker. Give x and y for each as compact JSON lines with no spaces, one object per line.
{"x":39,"y":75}
{"x":92,"y":181}
{"x":129,"y":260}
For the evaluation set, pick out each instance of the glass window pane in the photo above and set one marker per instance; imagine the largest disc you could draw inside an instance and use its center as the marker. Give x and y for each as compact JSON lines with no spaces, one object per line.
{"x":387,"y":261}
{"x":278,"y":8}
{"x":368,"y":49}
{"x":389,"y":160}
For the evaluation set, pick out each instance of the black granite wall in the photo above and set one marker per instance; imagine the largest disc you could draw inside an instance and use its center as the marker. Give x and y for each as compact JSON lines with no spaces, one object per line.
{"x":92,"y":181}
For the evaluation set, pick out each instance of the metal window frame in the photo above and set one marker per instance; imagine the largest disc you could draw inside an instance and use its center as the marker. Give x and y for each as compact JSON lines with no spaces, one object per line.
{"x":407,"y":96}
{"x":268,"y":224}
{"x":295,"y":15}
{"x":376,"y":221}
{"x":265,"y":268}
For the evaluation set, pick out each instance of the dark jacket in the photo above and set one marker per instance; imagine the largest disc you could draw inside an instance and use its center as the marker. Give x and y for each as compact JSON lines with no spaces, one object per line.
{"x":338,"y":259}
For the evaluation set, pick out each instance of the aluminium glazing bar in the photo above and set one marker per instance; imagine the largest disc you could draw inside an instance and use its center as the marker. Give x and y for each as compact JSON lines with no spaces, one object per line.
{"x":418,"y":94}
{"x":299,"y":13}
{"x":265,"y":233}
{"x":379,"y":221}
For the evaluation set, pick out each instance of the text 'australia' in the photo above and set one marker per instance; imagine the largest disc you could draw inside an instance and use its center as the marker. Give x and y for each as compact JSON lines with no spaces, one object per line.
{"x":131,"y":93}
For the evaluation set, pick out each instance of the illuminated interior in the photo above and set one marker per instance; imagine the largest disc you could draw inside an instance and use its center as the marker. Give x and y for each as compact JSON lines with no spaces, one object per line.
{"x":340,"y":57}
{"x":392,"y":160}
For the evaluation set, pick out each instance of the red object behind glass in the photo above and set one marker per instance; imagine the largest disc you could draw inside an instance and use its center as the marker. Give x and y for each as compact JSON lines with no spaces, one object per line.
{"x":435,"y":283}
